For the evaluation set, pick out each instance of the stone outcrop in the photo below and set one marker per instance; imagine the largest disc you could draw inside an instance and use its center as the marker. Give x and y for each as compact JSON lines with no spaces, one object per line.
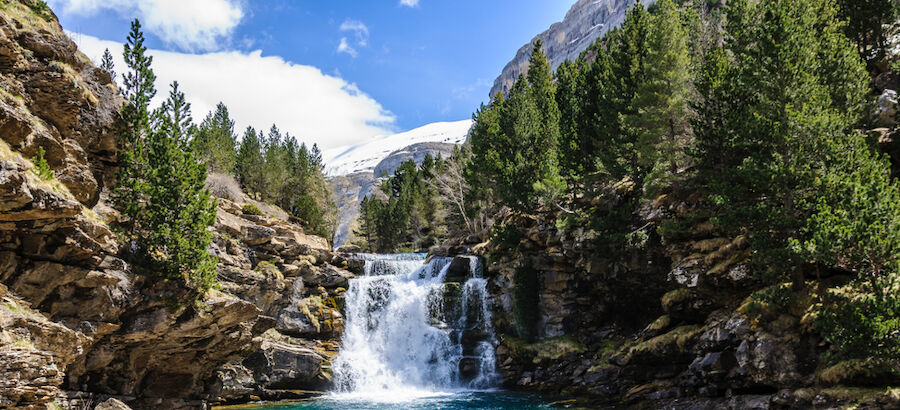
{"x":297,"y":284}
{"x":585,"y":22}
{"x":78,"y":327}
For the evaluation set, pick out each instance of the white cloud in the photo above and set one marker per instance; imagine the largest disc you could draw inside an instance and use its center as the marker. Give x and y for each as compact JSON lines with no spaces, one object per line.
{"x":345,"y":47}
{"x":362,"y":32}
{"x":409,"y":3}
{"x":260,"y":91}
{"x":191,"y":25}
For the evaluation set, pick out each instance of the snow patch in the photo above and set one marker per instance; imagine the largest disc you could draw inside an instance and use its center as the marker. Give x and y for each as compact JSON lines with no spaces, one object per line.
{"x":366,"y":156}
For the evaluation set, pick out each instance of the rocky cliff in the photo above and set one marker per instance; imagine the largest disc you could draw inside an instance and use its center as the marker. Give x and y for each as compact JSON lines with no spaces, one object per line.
{"x":665,"y":322}
{"x":585,"y":22}
{"x":76,"y":325}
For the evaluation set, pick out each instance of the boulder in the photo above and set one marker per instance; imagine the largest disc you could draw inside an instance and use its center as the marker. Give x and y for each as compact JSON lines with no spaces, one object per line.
{"x":349,"y":249}
{"x":462,"y":266}
{"x":887,"y":108}
{"x":282,"y":366}
{"x":112,"y":404}
{"x":312,"y":316}
{"x":256,"y":235}
{"x":327,"y":276}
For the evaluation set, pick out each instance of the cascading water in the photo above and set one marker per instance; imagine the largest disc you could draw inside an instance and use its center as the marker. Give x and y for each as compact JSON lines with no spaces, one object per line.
{"x":410,"y":332}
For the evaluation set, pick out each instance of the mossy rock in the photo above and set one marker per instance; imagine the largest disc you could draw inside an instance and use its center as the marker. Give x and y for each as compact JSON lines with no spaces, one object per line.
{"x":673,"y":346}
{"x":676,"y":296}
{"x":687,"y":305}
{"x":862,"y":372}
{"x":660,"y":325}
{"x":857,"y":395}
{"x":543,"y":350}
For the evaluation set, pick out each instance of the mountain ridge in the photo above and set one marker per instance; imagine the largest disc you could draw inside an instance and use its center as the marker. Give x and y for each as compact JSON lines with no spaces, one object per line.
{"x":585,"y":22}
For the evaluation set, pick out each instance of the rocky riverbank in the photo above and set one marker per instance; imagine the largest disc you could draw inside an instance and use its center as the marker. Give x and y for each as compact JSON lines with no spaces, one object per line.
{"x":674,"y":323}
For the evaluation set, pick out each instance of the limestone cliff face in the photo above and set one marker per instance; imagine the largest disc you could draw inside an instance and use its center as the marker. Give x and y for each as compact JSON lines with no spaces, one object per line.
{"x":76,"y":324}
{"x":585,"y":22}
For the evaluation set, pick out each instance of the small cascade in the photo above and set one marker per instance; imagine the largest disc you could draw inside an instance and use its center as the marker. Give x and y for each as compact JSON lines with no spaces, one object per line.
{"x":397,"y":264}
{"x":408,"y":331}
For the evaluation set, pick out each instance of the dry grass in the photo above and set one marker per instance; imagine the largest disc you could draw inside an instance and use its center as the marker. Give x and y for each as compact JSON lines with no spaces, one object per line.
{"x":224,"y":186}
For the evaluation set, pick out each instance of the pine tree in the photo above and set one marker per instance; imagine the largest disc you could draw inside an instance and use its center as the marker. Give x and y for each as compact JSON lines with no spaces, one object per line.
{"x":782,"y":128}
{"x":615,"y":76}
{"x":139,"y":90}
{"x":574,"y":152}
{"x":544,"y":148}
{"x":179,"y":207}
{"x":107,"y":64}
{"x":250,"y":162}
{"x":216,"y":142}
{"x":659,"y":111}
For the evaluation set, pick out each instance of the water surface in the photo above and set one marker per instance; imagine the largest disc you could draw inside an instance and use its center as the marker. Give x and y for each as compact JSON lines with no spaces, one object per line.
{"x":493,"y":400}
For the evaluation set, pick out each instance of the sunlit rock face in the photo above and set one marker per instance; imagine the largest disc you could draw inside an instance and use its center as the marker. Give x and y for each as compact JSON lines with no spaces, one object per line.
{"x":585,"y":22}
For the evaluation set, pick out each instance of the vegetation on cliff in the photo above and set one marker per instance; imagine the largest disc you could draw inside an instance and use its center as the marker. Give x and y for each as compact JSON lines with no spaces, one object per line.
{"x":756,"y":106}
{"x":275,"y":168}
{"x":161,"y":184}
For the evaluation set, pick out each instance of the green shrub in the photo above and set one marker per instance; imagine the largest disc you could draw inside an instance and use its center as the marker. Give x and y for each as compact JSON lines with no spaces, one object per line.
{"x":769,"y":302}
{"x":506,"y":235}
{"x":861,"y":326}
{"x":251,"y":209}
{"x":40,"y":8}
{"x":41,"y":167}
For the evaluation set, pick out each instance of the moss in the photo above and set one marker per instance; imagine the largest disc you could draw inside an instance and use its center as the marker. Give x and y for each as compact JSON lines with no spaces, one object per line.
{"x":679,"y":337}
{"x":544,"y":350}
{"x":726,"y":265}
{"x":767,"y":304}
{"x":313,"y":308}
{"x":660,"y":324}
{"x":12,"y":99}
{"x":675,"y":297}
{"x":267,"y":268}
{"x":861,"y":371}
{"x":606,"y":350}
{"x":853,"y":394}
{"x":710,"y":245}
{"x":23,"y":343}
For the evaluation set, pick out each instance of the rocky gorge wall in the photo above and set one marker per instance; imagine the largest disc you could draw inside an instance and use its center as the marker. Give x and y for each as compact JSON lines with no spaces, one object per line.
{"x":76,"y":325}
{"x":667,"y":323}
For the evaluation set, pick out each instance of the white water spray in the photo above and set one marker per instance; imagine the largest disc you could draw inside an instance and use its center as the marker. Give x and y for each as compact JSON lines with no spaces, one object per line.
{"x":409,"y":334}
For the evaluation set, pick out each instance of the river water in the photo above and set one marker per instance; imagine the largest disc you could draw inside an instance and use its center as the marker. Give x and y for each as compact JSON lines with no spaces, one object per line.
{"x":495,"y":400}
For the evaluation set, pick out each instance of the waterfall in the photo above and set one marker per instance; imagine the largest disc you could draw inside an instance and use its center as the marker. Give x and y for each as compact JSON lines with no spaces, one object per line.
{"x":409,"y":332}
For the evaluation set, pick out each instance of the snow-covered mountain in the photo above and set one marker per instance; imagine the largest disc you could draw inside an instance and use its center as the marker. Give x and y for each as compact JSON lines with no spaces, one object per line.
{"x":366,"y":156}
{"x":353,"y":170}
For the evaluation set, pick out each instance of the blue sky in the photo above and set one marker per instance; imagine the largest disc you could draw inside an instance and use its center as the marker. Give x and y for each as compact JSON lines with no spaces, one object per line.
{"x":412,"y":61}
